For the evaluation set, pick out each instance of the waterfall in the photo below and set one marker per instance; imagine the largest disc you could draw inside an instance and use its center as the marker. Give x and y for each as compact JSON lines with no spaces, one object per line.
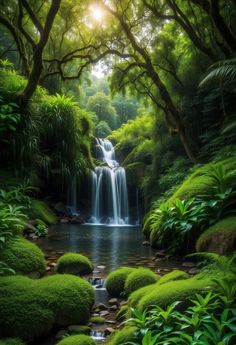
{"x":109,"y":188}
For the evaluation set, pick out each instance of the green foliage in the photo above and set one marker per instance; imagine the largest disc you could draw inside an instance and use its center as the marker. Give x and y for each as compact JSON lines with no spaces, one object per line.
{"x":5,"y":270}
{"x":207,"y":320}
{"x":102,"y":129}
{"x":174,"y":275}
{"x":39,"y":209}
{"x":41,"y":230}
{"x":77,"y":340}
{"x":79,"y":329}
{"x":115,"y":281}
{"x":219,"y":238}
{"x":30,"y":308}
{"x":125,"y":335}
{"x":121,"y":315}
{"x":139,"y":278}
{"x":23,"y":256}
{"x":221,"y":71}
{"x":9,"y":119}
{"x":74,"y":263}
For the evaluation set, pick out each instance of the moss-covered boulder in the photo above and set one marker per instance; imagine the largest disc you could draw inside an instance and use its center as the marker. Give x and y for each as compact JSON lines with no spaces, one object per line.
{"x":99,"y":320}
{"x":23,"y":256}
{"x":11,"y":341}
{"x":30,"y":308}
{"x":140,"y":278}
{"x":77,"y":340}
{"x":174,"y":275}
{"x":123,"y":336}
{"x":219,"y":238}
{"x":79,"y":329}
{"x":179,"y":290}
{"x":137,"y":295}
{"x":115,"y":281}
{"x":40,"y":209}
{"x":74,"y":263}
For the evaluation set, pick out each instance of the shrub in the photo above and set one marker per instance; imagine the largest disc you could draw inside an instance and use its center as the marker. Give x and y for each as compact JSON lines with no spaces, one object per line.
{"x":139,"y":278}
{"x":115,"y":281}
{"x":77,"y":340}
{"x":180,"y":290}
{"x":41,"y":210}
{"x":74,"y":263}
{"x":123,"y":336}
{"x":30,"y":308}
{"x":174,"y":275}
{"x":219,"y":238}
{"x":23,"y":256}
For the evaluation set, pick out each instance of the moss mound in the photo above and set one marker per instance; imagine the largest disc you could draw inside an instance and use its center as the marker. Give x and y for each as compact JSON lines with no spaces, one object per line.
{"x":136,"y":296}
{"x":73,"y":263}
{"x":174,"y":275}
{"x":219,"y":238}
{"x":179,"y":290}
{"x":123,"y":336}
{"x":11,"y":341}
{"x":41,"y":210}
{"x":98,"y":320}
{"x":115,"y":281}
{"x":30,"y":308}
{"x":140,"y":278}
{"x":79,"y":329}
{"x":23,"y":256}
{"x":77,"y":340}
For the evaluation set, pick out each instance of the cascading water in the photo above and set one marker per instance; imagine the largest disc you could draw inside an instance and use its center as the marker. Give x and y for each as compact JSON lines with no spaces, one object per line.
{"x":109,"y":188}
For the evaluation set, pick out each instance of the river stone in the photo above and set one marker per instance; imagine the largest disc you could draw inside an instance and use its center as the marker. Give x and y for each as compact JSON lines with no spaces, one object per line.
{"x":113,"y":308}
{"x":101,"y":267}
{"x":188,"y":264}
{"x":101,"y":306}
{"x":146,"y":243}
{"x":113,"y":301}
{"x":108,"y":331}
{"x":104,"y":313}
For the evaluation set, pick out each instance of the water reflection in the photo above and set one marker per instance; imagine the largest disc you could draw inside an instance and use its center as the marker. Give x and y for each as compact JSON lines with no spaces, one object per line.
{"x":110,"y":246}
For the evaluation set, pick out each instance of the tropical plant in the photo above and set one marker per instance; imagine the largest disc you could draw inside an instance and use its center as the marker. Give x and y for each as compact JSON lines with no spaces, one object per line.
{"x":221,"y":71}
{"x":41,"y":230}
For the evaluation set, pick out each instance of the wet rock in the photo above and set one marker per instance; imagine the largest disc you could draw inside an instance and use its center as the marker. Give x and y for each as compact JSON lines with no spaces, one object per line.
{"x":146,"y":243}
{"x":188,"y":264}
{"x":29,"y":228}
{"x":160,"y":254}
{"x":98,"y":286}
{"x":101,"y":267}
{"x":64,"y":220}
{"x":123,"y":303}
{"x":48,"y":269}
{"x":95,"y":314}
{"x":111,"y":322}
{"x":193,"y":271}
{"x":33,"y":236}
{"x":108,"y":331}
{"x":62,"y":333}
{"x":113,"y":308}
{"x":113,"y":301}
{"x":101,"y":306}
{"x":104,"y":313}
{"x":76,"y":220}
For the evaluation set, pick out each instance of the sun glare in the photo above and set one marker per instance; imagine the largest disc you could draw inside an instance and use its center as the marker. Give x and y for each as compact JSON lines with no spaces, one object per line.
{"x":97,"y":13}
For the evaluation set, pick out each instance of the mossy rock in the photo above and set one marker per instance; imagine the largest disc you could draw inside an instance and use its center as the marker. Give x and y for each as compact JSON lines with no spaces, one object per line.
{"x":115,"y":281}
{"x":136,"y":296}
{"x":97,"y":320}
{"x":31,"y":307}
{"x":79,"y":329}
{"x":74,"y":263}
{"x":219,"y":238}
{"x":174,"y":275}
{"x":41,"y":210}
{"x":77,"y":340}
{"x":23,"y":256}
{"x":123,"y":336}
{"x":168,"y":293}
{"x":11,"y":341}
{"x":140,"y":278}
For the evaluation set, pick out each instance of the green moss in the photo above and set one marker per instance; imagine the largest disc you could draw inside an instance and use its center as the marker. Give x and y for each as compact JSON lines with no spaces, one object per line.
{"x":115,"y":281}
{"x":11,"y":341}
{"x":140,"y":278}
{"x":74,"y":263}
{"x":77,"y":340}
{"x":79,"y":329}
{"x":23,"y":256}
{"x":123,"y":336}
{"x":98,"y":320}
{"x":219,"y":238}
{"x":174,"y":275}
{"x":41,"y":210}
{"x":30,"y":308}
{"x":136,"y":296}
{"x":179,"y":290}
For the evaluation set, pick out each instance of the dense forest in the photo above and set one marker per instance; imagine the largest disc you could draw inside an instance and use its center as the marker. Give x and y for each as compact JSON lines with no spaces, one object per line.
{"x":118,"y":127}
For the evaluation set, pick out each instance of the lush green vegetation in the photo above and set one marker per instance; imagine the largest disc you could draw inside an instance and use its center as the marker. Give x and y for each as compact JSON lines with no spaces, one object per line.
{"x":77,"y":340}
{"x":74,"y":264}
{"x":115,"y":281}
